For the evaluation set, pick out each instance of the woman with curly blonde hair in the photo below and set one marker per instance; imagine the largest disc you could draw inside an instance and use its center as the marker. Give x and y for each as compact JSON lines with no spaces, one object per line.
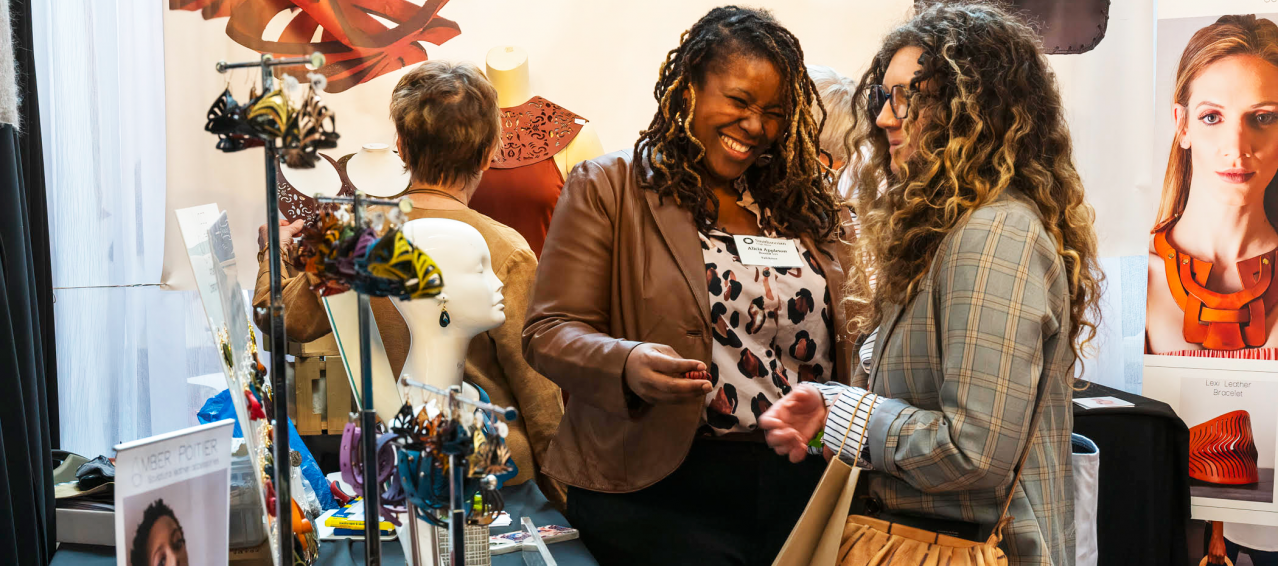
{"x":984,"y":255}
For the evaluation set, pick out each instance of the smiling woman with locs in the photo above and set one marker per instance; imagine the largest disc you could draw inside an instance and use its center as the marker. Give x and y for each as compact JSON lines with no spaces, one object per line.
{"x":670,"y":343}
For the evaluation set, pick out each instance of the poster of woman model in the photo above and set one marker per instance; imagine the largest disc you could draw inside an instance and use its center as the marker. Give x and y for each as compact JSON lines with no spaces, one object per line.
{"x":1211,"y":330}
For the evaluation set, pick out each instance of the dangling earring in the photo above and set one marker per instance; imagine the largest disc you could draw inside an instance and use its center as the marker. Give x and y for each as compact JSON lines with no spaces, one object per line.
{"x":443,"y":312}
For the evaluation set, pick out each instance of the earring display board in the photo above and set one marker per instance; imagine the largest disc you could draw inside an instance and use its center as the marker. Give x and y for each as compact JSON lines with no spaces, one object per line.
{"x":1211,"y":334}
{"x":206,"y":233}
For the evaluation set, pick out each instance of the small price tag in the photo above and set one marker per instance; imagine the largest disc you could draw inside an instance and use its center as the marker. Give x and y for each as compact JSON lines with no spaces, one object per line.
{"x":1102,"y":403}
{"x":768,"y":252}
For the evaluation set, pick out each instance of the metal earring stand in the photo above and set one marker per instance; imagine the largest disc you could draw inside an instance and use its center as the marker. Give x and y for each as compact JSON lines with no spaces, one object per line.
{"x":456,"y":475}
{"x":368,"y":418}
{"x":279,"y":378}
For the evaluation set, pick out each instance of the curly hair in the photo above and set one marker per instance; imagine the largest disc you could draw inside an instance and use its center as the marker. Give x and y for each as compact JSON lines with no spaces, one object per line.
{"x":994,"y":122}
{"x":154,"y":512}
{"x":795,"y":184}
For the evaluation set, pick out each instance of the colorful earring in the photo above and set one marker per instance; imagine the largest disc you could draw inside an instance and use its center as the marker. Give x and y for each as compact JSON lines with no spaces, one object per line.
{"x":443,"y":316}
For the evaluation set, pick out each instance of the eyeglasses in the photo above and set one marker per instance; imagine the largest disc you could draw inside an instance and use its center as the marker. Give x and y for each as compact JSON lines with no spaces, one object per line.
{"x":899,"y":95}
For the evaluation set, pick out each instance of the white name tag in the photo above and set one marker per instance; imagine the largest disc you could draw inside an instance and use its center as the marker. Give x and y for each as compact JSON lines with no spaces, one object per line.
{"x":769,"y":252}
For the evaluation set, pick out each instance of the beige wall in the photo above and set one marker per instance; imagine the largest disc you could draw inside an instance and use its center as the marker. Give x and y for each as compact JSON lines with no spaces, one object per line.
{"x":600,"y":58}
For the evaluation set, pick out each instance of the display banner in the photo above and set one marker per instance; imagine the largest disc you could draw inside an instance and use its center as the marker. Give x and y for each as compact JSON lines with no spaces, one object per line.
{"x":1210,"y":339}
{"x":597,"y":59}
{"x":172,"y":498}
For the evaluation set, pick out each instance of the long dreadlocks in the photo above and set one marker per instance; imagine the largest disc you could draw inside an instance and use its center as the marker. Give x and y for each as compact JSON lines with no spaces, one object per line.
{"x":794,"y":184}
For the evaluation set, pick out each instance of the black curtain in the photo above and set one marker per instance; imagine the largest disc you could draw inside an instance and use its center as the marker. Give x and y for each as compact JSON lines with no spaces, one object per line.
{"x":28,"y":393}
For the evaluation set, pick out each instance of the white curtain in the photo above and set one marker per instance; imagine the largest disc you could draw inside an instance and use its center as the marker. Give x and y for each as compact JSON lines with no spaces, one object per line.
{"x":126,"y":346}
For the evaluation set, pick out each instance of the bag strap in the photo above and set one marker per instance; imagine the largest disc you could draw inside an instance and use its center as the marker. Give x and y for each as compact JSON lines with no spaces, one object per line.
{"x":848,"y":430}
{"x":1037,"y":416}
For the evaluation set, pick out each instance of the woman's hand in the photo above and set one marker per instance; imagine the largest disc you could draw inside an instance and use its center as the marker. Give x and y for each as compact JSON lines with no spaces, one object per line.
{"x":793,"y":421}
{"x":287,"y":231}
{"x":654,"y":372}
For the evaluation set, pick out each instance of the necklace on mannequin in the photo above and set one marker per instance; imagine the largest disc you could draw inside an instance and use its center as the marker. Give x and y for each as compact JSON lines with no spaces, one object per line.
{"x":427,"y":197}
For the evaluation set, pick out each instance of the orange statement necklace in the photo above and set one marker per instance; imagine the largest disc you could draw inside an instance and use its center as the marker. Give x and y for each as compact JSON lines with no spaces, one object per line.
{"x":1220,"y":321}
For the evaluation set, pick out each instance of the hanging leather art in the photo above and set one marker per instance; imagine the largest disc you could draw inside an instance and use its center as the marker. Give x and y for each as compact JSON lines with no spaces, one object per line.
{"x":1065,"y":27}
{"x":358,"y":47}
{"x":296,"y":205}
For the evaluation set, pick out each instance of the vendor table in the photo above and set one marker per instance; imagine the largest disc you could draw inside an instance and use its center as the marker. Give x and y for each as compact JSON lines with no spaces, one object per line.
{"x":1143,"y":504}
{"x":521,"y":500}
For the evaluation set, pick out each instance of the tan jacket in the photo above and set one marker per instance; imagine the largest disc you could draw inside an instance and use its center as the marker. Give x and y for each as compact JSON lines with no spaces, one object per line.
{"x":620,"y":268}
{"x":494,"y":361}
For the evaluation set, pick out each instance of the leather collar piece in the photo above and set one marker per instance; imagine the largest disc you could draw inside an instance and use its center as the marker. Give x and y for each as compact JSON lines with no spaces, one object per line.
{"x":1220,"y":321}
{"x":296,"y":205}
{"x":534,"y":131}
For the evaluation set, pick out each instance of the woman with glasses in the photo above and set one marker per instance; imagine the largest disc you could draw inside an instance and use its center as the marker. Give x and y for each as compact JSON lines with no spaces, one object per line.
{"x":986,"y":284}
{"x":683,"y":289}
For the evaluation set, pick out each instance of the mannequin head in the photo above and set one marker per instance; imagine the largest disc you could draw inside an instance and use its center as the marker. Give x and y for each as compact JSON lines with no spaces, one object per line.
{"x":472,"y":292}
{"x":377,"y":171}
{"x":508,"y":71}
{"x":506,"y":58}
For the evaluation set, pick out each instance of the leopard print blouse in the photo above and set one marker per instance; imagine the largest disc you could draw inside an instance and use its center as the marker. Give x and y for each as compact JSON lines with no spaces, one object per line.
{"x":772,"y":328}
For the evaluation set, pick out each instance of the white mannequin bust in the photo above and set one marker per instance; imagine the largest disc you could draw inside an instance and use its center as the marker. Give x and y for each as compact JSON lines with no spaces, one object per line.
{"x":322,"y":179}
{"x":377,"y":171}
{"x":437,"y":353}
{"x":507,"y":69}
{"x":471,"y":295}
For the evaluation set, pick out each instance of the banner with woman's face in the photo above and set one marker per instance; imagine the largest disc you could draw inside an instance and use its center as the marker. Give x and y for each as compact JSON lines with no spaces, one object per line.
{"x":1211,"y":319}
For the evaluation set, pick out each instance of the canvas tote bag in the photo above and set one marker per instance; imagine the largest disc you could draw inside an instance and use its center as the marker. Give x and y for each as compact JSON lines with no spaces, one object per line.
{"x":827,"y":536}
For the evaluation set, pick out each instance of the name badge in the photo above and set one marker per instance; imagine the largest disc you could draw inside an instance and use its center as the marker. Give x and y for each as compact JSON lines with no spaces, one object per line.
{"x":768,"y":252}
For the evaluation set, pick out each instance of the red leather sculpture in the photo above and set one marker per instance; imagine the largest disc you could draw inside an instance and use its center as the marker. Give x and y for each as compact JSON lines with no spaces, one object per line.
{"x":1222,"y":450}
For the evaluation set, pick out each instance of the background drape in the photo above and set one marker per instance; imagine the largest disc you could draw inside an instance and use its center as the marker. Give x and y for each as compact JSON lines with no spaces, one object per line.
{"x":27,"y":372}
{"x":127,"y":346}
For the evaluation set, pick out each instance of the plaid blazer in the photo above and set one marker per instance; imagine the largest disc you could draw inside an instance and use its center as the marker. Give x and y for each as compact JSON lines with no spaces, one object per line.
{"x":960,"y":368}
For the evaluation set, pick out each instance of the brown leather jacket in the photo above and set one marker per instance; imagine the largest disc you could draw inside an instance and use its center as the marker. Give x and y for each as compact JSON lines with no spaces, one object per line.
{"x":620,"y":268}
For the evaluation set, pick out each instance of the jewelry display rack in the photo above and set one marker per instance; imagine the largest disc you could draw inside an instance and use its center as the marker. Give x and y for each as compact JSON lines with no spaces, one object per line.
{"x":279,"y":377}
{"x":368,"y":418}
{"x":456,"y":475}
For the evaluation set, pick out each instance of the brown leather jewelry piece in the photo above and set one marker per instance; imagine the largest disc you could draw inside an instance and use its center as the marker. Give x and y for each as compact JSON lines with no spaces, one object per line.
{"x":533,"y":131}
{"x":1220,"y":321}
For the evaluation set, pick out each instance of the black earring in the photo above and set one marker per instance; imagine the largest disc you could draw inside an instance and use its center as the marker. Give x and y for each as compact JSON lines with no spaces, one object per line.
{"x":443,"y":316}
